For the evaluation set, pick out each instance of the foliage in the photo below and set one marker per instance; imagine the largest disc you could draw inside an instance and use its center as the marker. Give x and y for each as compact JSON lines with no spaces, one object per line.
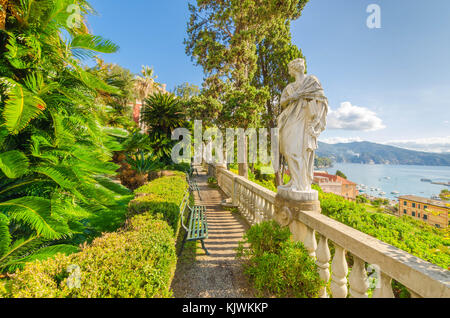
{"x":55,"y":151}
{"x":339,"y":173}
{"x":412,"y":236}
{"x":138,"y":261}
{"x":274,"y":53}
{"x":162,"y":113}
{"x":162,"y":196}
{"x":212,"y":182}
{"x":322,"y":162}
{"x":116,"y":111}
{"x":222,"y":37}
{"x":276,"y":265}
{"x":186,"y":91}
{"x":143,"y":163}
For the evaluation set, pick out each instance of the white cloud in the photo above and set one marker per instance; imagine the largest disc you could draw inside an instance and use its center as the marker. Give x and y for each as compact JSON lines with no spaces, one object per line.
{"x":434,"y":144}
{"x":349,"y":117}
{"x":341,"y":140}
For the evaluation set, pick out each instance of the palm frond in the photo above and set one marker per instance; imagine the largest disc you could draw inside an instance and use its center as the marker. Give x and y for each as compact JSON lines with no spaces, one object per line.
{"x":35,"y":212}
{"x":21,"y":106}
{"x":14,"y":163}
{"x":5,"y":236}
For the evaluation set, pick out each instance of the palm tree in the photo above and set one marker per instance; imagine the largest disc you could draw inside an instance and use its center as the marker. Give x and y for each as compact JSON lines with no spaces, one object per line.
{"x":145,"y":85}
{"x":162,"y":113}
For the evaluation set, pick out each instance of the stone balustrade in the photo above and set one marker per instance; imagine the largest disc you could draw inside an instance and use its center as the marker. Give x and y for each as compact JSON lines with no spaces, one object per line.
{"x":317,"y":232}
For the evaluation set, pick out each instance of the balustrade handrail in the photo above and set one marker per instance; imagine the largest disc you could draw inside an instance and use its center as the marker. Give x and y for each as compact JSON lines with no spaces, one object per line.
{"x":409,"y":270}
{"x":417,"y":275}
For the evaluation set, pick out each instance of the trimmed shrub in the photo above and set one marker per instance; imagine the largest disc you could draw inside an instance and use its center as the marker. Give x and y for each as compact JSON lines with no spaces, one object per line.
{"x":137,"y":262}
{"x":162,"y":196}
{"x":276,"y":265}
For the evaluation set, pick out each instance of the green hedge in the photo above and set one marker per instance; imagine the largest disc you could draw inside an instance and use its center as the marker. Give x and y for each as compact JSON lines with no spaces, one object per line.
{"x":137,"y":261}
{"x":162,"y":196}
{"x":276,"y":265}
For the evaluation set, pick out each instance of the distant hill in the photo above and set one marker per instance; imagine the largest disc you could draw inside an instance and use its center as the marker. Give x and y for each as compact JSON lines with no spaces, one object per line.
{"x":372,"y":153}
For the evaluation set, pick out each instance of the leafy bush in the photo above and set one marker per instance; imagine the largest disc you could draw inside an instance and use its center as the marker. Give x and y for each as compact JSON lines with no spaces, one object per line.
{"x":162,"y":196}
{"x":276,"y":265}
{"x":138,"y":261}
{"x":412,"y":236}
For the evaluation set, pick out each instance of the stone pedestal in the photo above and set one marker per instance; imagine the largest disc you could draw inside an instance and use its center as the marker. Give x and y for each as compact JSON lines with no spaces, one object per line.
{"x":288,"y":205}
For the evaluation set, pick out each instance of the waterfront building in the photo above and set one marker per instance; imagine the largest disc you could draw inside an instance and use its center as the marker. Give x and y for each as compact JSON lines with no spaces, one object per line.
{"x":334,"y":184}
{"x":433,"y":212}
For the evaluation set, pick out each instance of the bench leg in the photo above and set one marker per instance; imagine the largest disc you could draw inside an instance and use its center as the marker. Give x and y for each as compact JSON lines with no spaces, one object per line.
{"x":204,"y":248}
{"x":182,"y":245}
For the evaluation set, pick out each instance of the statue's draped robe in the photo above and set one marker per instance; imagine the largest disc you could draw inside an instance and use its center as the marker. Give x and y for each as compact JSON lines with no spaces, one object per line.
{"x":300,"y":124}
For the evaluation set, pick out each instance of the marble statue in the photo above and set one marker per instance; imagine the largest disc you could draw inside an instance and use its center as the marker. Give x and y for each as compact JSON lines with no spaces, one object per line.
{"x":302,"y":120}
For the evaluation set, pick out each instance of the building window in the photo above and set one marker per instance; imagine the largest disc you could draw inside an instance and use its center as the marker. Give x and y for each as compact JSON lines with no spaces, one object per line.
{"x":413,"y":205}
{"x":418,"y":215}
{"x":438,"y":226}
{"x":414,"y":214}
{"x":425,"y":207}
{"x":418,"y":206}
{"x":405,"y":203}
{"x":425,"y":217}
{"x":404,"y":211}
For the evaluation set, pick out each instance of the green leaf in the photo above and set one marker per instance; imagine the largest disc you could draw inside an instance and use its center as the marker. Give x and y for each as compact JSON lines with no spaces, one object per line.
{"x":21,"y":106}
{"x":93,"y":43}
{"x":14,"y":164}
{"x":41,"y":255}
{"x":5,"y":236}
{"x":35,"y":212}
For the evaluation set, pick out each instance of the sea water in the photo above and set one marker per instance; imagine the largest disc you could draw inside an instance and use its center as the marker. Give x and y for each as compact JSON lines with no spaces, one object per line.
{"x":389,"y":178}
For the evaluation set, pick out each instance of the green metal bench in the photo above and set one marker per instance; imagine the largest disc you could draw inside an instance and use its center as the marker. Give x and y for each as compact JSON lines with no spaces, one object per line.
{"x":193,"y":186}
{"x":196,"y":227}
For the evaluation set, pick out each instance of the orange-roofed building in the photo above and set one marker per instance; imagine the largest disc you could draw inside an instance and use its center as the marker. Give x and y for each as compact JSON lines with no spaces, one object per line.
{"x":334,"y":184}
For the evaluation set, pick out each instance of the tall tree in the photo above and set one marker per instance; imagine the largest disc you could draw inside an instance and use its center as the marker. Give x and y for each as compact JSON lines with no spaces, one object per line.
{"x":222,"y":38}
{"x":145,"y":85}
{"x":274,"y":53}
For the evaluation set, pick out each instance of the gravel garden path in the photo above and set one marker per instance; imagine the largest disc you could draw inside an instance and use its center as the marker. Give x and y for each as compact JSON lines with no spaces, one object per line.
{"x":219,"y":275}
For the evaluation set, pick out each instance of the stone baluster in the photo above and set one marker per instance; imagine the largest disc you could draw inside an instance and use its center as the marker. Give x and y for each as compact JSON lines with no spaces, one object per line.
{"x":252,"y":207}
{"x":358,"y":279}
{"x":384,"y":287}
{"x":258,"y":203}
{"x":323,"y":262}
{"x":339,"y":270}
{"x":310,"y":242}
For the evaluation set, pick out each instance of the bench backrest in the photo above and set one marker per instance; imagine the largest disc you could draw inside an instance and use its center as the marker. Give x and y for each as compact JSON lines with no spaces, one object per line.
{"x":183,"y":205}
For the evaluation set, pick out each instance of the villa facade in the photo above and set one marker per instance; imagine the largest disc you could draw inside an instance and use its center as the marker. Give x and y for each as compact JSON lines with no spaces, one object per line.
{"x":433,"y":212}
{"x":337,"y":185}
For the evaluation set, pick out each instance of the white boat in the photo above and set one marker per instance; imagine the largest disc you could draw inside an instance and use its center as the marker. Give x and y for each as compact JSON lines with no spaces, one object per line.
{"x":395,"y":192}
{"x":382,"y":193}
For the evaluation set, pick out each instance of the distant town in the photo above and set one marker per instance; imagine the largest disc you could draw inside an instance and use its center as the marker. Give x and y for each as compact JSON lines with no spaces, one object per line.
{"x":433,"y":211}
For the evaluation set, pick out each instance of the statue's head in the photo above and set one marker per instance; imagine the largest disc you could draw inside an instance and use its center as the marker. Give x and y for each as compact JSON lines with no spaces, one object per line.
{"x":297,"y":66}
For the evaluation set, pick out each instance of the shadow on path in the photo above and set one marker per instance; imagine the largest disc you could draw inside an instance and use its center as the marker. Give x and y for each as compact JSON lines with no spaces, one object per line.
{"x":219,"y":275}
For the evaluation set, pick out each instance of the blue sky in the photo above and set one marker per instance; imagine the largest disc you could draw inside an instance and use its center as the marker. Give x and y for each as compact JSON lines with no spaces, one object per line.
{"x":388,"y":85}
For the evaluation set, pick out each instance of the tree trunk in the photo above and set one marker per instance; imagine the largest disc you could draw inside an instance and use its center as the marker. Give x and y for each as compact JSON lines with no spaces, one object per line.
{"x":3,"y":5}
